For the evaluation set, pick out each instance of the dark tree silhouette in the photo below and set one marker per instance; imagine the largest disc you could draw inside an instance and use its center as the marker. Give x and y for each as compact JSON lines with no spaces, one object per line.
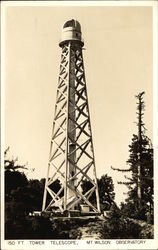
{"x":21,"y":197}
{"x":140,"y":184}
{"x":106,"y":191}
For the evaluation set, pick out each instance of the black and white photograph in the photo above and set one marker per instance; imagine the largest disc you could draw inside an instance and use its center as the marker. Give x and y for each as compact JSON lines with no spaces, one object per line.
{"x":79,"y":125}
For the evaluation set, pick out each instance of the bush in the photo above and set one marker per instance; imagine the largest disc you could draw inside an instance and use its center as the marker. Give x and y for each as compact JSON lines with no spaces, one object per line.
{"x":40,"y":228}
{"x":119,"y":227}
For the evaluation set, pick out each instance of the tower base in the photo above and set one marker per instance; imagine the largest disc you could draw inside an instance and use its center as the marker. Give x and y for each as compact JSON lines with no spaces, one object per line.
{"x":71,"y":213}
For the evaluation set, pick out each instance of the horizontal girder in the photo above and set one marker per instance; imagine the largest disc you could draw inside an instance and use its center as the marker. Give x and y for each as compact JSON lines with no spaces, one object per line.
{"x":71,"y":157}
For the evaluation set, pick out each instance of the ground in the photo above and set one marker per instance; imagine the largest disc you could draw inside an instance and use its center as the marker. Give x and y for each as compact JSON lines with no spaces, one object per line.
{"x":96,"y":228}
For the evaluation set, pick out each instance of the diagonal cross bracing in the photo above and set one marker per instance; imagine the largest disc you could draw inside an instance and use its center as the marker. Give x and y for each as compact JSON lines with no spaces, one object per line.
{"x":71,"y":158}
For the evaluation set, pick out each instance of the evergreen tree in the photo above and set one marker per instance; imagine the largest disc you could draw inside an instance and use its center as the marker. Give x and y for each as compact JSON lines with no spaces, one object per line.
{"x":21,"y":197}
{"x":106,"y":191}
{"x":140,"y":184}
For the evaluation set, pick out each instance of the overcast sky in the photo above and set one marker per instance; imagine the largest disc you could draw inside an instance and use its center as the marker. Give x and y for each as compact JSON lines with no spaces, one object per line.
{"x":118,"y":65}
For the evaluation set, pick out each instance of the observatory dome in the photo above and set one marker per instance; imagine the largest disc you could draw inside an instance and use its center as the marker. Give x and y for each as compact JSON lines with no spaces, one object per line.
{"x":71,"y":32}
{"x":73,"y":23}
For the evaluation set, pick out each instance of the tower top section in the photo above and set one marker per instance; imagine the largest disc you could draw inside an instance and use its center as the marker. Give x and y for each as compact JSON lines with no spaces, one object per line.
{"x":71,"y":32}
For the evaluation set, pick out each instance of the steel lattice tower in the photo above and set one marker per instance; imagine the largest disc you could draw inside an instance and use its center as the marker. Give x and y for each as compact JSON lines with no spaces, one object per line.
{"x":71,"y":157}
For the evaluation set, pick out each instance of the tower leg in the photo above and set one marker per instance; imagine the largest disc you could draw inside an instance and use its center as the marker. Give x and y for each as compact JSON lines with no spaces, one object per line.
{"x":71,"y":158}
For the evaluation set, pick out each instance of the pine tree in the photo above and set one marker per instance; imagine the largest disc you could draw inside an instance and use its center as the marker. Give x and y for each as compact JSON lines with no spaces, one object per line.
{"x":140,"y":184}
{"x":106,"y":191}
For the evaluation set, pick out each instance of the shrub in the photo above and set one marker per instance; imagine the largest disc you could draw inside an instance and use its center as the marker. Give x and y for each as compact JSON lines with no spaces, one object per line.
{"x":119,"y":227}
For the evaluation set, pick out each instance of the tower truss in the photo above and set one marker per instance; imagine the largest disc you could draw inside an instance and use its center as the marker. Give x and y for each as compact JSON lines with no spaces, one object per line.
{"x":71,"y":158}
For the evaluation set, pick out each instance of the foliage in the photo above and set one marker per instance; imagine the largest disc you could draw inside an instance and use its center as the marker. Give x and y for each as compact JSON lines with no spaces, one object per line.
{"x":140,"y":161}
{"x":29,"y":228}
{"x":35,"y":192}
{"x":125,"y":228}
{"x":13,"y":181}
{"x":147,"y":231}
{"x":106,"y":191}
{"x":21,"y":197}
{"x":146,"y":178}
{"x":40,"y":228}
{"x":11,"y":164}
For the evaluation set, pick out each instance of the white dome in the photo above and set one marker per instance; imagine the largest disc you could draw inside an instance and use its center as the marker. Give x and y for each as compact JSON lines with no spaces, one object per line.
{"x":71,"y":32}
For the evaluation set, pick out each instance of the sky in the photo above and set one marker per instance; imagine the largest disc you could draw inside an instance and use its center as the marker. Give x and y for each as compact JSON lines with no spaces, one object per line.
{"x":118,"y":65}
